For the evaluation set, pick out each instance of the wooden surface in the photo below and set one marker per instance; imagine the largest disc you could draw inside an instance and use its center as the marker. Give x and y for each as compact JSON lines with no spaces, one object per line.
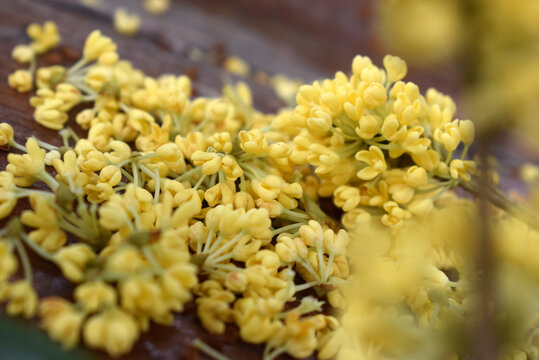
{"x":306,"y":39}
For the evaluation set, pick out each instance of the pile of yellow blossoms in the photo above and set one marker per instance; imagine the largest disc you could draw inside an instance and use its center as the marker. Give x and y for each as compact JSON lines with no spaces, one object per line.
{"x":171,"y":198}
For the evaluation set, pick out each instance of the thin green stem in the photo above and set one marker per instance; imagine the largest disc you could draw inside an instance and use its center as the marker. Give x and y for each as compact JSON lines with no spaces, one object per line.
{"x":78,"y":65}
{"x":200,"y":181}
{"x":206,"y":349}
{"x":286,"y":228}
{"x":329,"y":266}
{"x":188,"y":174}
{"x":135,"y":173}
{"x":17,"y":146}
{"x":208,"y":241}
{"x":36,"y":248}
{"x":45,"y":145}
{"x":26,"y":265}
{"x":228,"y":245}
{"x":302,"y":287}
{"x":48,"y":179}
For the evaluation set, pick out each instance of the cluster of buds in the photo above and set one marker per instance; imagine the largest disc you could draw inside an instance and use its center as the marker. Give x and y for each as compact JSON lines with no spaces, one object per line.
{"x":171,"y":198}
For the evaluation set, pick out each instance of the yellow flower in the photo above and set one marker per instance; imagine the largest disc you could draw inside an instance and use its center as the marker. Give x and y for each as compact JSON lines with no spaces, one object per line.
{"x":126,"y":23}
{"x":374,"y":157}
{"x":269,"y":188}
{"x":141,"y":296}
{"x":395,"y":67}
{"x":236,"y":281}
{"x":323,"y":158}
{"x":6,"y":134}
{"x":69,"y":95}
{"x":461,"y":169}
{"x":392,"y":129}
{"x":421,"y":207}
{"x":98,"y":46}
{"x":28,"y":167}
{"x":412,"y":143}
{"x":45,"y":37}
{"x":95,"y":295}
{"x":415,"y":176}
{"x":113,"y":330}
{"x":529,"y":173}
{"x":237,"y":66}
{"x":369,"y":126}
{"x":221,"y":142}
{"x":8,"y":262}
{"x":176,"y":283}
{"x":157,"y":6}
{"x":286,"y":248}
{"x":359,"y":63}
{"x":159,"y":135}
{"x":243,"y":200}
{"x":279,"y":150}
{"x":111,"y":175}
{"x":91,"y":160}
{"x":113,"y":214}
{"x":125,"y":261}
{"x":467,"y":131}
{"x":66,"y":169}
{"x":47,"y":78}
{"x":256,"y":328}
{"x":356,"y":218}
{"x":50,"y":115}
{"x":120,"y":152}
{"x":221,"y":193}
{"x":375,"y":95}
{"x":395,"y":215}
{"x":448,"y":136}
{"x":257,"y":223}
{"x":213,"y":314}
{"x":253,"y":141}
{"x":211,"y":162}
{"x":347,"y":197}
{"x":172,"y":156}
{"x":21,"y":296}
{"x":98,"y":77}
{"x":73,"y":259}
{"x":319,"y":121}
{"x":61,"y":321}
{"x":8,"y":198}
{"x":428,"y":160}
{"x":401,"y":193}
{"x":21,"y":80}
{"x":86,"y":118}
{"x":288,"y":195}
{"x":23,"y":53}
{"x":50,"y":156}
{"x":372,"y":74}
{"x":45,"y":219}
{"x":231,"y":168}
{"x":298,"y":335}
{"x":217,"y":111}
{"x":194,"y":141}
{"x":267,"y":259}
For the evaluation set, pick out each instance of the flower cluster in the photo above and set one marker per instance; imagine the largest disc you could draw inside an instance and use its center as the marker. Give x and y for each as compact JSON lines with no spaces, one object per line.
{"x":172,"y":198}
{"x":376,"y":144}
{"x":414,"y":292}
{"x":44,"y":38}
{"x":126,"y":23}
{"x":166,"y":189}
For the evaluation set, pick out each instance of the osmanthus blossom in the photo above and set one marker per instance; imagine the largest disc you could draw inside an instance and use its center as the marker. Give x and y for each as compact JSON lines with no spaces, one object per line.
{"x":171,"y":198}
